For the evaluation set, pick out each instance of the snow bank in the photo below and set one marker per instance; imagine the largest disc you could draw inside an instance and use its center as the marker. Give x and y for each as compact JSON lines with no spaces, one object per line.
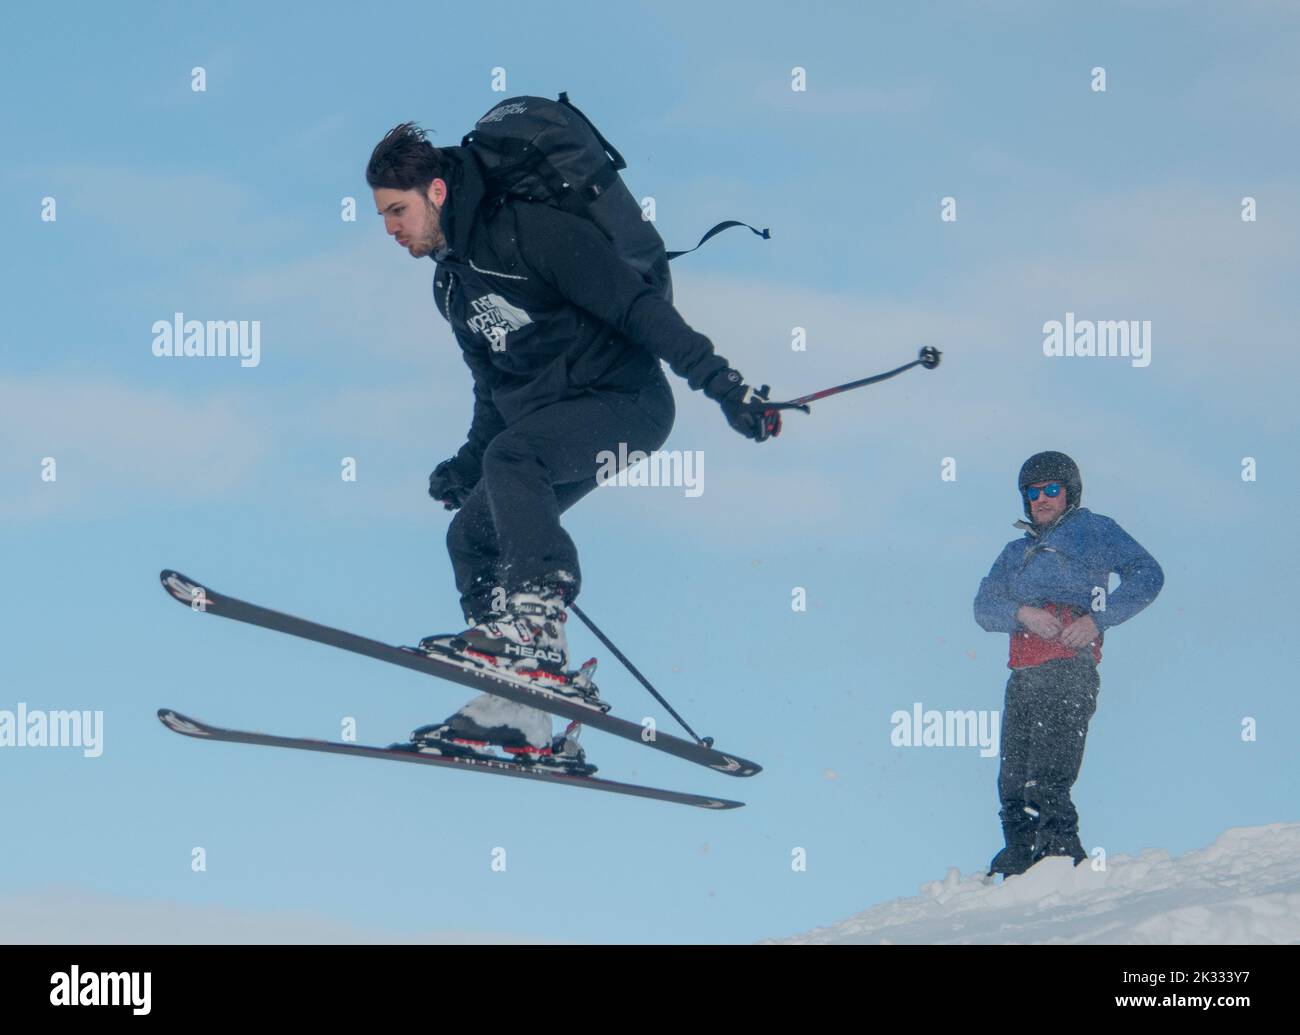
{"x":1243,"y":889}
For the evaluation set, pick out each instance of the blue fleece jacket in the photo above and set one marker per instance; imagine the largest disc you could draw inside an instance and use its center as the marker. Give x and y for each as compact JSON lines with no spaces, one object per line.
{"x":1062,"y":565}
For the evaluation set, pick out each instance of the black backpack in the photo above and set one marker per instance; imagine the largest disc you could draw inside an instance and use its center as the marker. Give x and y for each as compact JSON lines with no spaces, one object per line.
{"x":548,"y":151}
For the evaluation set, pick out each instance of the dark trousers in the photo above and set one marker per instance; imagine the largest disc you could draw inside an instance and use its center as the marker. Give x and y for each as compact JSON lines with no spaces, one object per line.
{"x":508,"y":531}
{"x":1044,"y":726}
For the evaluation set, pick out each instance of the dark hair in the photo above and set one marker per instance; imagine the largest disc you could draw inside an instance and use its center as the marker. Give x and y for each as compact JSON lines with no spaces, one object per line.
{"x":405,"y":160}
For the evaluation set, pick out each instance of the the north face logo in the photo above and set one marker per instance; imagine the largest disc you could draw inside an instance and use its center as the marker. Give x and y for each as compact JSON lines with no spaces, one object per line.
{"x":501,"y":111}
{"x":495,"y":318}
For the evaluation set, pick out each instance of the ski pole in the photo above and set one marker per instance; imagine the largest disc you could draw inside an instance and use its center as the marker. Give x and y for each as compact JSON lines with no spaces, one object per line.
{"x":929,"y":358}
{"x":705,"y":741}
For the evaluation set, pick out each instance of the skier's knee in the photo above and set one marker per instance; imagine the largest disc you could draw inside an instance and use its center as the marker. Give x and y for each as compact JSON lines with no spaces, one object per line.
{"x":506,"y":452}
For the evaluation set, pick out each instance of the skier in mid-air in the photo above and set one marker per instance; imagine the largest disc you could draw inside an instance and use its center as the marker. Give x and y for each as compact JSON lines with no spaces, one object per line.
{"x":1048,"y":589}
{"x":563,"y":339}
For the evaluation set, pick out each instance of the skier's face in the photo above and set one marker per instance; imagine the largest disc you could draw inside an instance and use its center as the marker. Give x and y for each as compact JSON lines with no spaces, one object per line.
{"x":413,"y":218}
{"x":1047,"y":509}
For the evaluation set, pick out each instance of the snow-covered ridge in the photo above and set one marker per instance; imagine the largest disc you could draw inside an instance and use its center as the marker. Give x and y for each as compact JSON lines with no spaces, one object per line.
{"x":1242,"y":889}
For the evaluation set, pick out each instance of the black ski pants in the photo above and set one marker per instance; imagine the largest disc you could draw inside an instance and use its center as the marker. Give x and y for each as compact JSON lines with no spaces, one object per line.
{"x":508,"y":531}
{"x":1044,"y":725}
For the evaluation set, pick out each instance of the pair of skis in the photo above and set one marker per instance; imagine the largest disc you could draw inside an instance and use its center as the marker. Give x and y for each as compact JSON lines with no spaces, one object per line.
{"x":202,"y":599}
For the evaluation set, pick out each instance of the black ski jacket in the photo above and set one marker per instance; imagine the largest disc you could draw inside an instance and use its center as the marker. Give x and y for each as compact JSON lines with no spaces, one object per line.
{"x":544,"y":309}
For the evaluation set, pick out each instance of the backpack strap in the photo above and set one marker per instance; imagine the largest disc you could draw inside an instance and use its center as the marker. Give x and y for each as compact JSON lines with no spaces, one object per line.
{"x":766,"y":234}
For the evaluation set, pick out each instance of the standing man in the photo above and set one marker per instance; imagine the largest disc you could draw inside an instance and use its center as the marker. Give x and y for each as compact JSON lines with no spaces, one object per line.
{"x":1048,"y":589}
{"x":563,"y":339}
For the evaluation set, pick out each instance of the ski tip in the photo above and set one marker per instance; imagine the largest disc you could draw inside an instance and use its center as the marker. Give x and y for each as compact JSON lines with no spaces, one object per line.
{"x":736,"y":766}
{"x":178,"y":723}
{"x":182,"y":589}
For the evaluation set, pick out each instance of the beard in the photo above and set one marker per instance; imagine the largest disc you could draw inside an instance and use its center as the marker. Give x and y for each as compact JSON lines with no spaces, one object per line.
{"x":1049,"y":519}
{"x":431,"y":240}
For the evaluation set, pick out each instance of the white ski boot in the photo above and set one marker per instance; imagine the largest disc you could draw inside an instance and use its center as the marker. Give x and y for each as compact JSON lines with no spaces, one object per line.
{"x":523,"y":734}
{"x":485,"y":722}
{"x":526,"y":642}
{"x":527,"y":638}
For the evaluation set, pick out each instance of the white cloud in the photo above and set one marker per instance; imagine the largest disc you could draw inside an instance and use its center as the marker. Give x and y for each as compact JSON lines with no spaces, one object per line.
{"x":363,"y":300}
{"x":156,"y":213}
{"x":111,"y":440}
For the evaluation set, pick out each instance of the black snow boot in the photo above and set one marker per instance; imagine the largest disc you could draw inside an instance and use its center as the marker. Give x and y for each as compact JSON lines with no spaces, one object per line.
{"x":1019,"y":825}
{"x":1058,"y":844}
{"x":1058,"y":830}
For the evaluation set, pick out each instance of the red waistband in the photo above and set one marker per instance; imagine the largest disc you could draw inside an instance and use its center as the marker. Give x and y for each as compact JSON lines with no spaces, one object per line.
{"x":1029,"y":649}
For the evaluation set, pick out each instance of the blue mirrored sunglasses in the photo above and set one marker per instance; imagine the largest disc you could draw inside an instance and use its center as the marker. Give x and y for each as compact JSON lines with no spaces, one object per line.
{"x":1050,"y":490}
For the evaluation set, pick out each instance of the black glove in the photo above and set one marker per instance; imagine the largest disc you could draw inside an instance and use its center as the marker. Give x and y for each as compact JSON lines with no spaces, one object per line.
{"x":742,"y":405}
{"x":453,"y":480}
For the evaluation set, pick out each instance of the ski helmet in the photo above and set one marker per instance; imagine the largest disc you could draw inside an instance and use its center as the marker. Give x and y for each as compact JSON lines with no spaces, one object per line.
{"x":1051,"y":467}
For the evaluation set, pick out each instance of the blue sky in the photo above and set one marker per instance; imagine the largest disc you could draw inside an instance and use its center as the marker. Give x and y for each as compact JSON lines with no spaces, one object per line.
{"x":225,"y":205}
